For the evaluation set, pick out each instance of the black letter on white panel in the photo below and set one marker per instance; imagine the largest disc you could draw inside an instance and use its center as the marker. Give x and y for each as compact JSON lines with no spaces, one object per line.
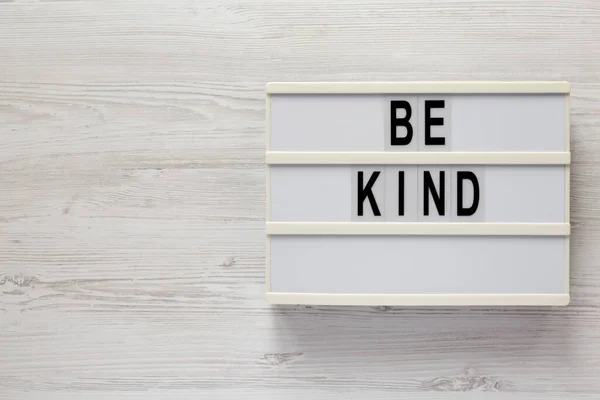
{"x":366,"y":192}
{"x":396,"y":122}
{"x":438,"y":198}
{"x":460,"y":177}
{"x":430,"y":121}
{"x":401,"y":193}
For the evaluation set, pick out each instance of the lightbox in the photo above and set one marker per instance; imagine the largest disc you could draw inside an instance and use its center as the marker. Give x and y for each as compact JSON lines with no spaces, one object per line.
{"x":418,"y":193}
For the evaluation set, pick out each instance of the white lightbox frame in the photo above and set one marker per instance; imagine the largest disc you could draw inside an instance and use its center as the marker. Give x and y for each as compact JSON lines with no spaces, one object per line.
{"x":420,"y":228}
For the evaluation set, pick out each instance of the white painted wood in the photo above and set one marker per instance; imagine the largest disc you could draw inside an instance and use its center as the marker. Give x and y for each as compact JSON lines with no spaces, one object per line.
{"x":133,"y":198}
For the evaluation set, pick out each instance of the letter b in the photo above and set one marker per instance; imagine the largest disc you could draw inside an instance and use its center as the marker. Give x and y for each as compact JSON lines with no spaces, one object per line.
{"x":395,"y":122}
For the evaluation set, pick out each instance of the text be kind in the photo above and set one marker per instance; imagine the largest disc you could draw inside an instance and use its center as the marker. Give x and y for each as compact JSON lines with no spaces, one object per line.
{"x":416,"y":124}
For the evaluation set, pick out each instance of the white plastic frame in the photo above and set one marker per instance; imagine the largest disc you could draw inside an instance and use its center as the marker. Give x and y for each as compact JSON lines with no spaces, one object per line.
{"x":353,"y":228}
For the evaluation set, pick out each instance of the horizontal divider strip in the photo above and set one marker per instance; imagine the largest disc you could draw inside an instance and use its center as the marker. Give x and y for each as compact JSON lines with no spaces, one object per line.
{"x":418,"y":228}
{"x":416,"y":87}
{"x":423,"y":157}
{"x":416,"y":300}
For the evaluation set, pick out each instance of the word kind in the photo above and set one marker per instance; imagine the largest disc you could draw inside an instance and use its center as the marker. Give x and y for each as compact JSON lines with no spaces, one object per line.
{"x":415,"y":192}
{"x":424,"y":120}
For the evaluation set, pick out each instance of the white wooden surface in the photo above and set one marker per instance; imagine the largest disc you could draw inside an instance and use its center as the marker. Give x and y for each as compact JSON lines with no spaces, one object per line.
{"x":132,"y":201}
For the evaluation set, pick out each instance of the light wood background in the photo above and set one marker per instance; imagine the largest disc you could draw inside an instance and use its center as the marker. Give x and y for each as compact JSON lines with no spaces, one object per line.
{"x":132,"y":201}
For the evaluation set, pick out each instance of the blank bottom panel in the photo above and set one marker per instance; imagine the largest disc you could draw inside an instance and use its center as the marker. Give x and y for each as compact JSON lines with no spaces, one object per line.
{"x":418,"y":264}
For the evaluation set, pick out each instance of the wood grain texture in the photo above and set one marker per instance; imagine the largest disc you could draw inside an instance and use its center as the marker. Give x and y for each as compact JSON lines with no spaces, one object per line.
{"x":132,"y":201}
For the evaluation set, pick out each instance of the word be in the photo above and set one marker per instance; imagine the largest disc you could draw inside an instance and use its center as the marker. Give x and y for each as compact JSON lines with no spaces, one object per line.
{"x":428,"y":121}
